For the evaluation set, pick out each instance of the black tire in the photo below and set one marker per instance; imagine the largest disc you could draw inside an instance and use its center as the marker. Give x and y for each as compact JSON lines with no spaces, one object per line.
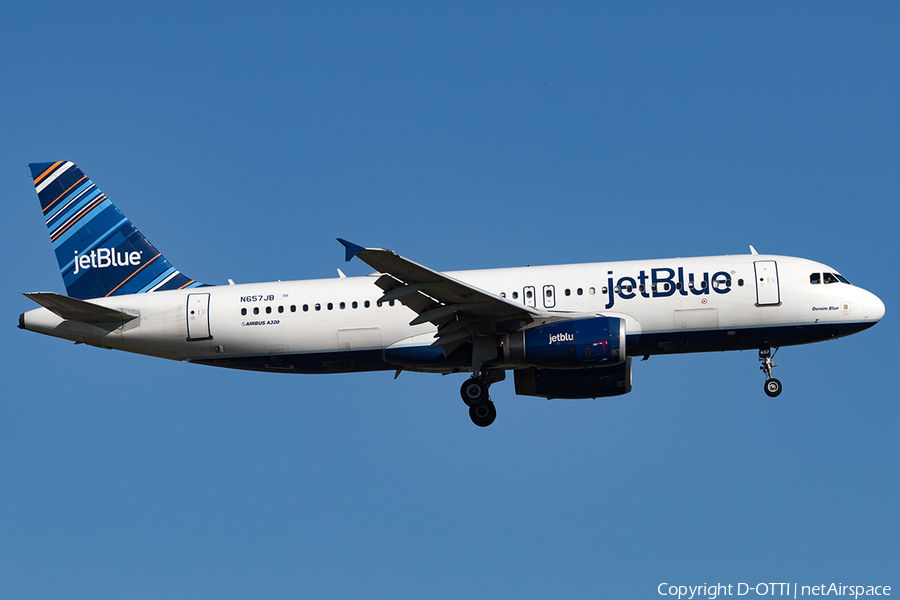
{"x":772,"y":387}
{"x":474,"y":392}
{"x":483,"y":414}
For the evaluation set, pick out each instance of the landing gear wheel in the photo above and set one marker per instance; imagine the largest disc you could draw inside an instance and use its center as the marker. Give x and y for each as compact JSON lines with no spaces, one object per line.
{"x":474,"y":392}
{"x":773,"y":387}
{"x":483,"y":414}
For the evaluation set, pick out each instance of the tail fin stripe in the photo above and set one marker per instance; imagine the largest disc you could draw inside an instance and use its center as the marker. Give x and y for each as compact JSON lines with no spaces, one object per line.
{"x":188,"y":284}
{"x":47,"y":170}
{"x":159,"y":281}
{"x":83,"y":177}
{"x":77,"y":217}
{"x":99,"y":241}
{"x":105,"y":204}
{"x":81,"y":191}
{"x":73,"y":211}
{"x":133,"y":274}
{"x":40,"y":187}
{"x":173,"y":272}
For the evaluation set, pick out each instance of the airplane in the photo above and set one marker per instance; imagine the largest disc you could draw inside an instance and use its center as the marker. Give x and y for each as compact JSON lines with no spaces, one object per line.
{"x":565,"y":331}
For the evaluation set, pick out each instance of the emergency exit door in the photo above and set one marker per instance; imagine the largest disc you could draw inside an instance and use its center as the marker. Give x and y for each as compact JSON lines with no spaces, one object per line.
{"x":198,"y":317}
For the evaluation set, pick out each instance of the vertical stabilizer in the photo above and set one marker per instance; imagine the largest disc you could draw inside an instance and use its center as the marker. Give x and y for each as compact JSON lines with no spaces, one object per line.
{"x":100,"y":252}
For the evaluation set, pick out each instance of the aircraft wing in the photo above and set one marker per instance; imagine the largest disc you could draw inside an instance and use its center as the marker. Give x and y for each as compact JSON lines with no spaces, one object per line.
{"x":73,"y":309}
{"x":459,"y":310}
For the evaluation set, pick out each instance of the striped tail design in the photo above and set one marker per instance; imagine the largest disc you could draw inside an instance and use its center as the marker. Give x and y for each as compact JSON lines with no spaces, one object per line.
{"x":100,"y":252}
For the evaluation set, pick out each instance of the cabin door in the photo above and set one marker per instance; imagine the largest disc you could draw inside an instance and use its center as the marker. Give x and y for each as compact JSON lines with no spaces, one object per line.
{"x":768,"y":292}
{"x":198,"y":317}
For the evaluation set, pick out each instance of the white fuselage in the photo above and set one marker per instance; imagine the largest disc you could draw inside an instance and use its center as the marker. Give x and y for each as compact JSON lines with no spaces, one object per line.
{"x":669,"y":305}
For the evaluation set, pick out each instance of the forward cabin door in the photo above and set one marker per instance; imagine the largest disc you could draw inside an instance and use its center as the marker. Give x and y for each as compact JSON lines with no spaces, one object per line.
{"x":768,"y":292}
{"x":198,"y":317}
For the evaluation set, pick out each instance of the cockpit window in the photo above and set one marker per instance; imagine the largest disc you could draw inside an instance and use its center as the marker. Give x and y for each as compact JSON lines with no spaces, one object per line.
{"x":842,"y":279}
{"x":815,"y":278}
{"x":829,"y":278}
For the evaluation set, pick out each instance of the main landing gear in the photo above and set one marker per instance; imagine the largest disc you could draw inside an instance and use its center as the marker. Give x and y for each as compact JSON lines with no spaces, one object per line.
{"x":772,"y":386}
{"x":474,"y":392}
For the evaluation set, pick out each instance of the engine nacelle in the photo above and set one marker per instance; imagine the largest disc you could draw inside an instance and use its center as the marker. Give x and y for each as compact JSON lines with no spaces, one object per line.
{"x":574,"y":384}
{"x":574,"y":344}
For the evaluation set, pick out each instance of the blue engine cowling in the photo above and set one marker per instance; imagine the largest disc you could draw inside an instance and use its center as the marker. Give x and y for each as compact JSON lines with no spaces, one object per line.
{"x":574,"y":384}
{"x":573,"y":344}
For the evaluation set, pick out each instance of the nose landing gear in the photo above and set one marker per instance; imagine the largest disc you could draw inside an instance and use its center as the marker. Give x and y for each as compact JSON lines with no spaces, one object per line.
{"x":772,"y":386}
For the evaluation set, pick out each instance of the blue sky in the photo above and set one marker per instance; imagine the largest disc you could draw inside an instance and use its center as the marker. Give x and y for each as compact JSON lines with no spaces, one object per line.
{"x":243,"y":139}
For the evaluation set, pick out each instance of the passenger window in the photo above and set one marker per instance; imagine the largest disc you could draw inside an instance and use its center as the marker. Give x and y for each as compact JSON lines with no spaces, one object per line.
{"x":592,"y":291}
{"x":579,"y":291}
{"x":281,"y":309}
{"x":366,"y":304}
{"x":318,"y":306}
{"x":306,"y":308}
{"x":330,"y":306}
{"x":515,"y":295}
{"x":568,"y":292}
{"x":391,"y":302}
{"x":243,"y":311}
{"x":268,"y":310}
{"x":815,"y":279}
{"x":604,"y":289}
{"x":355,"y":304}
{"x":740,"y":283}
{"x":293,"y":308}
{"x":343,"y":305}
{"x":528,"y":294}
{"x":503,"y":294}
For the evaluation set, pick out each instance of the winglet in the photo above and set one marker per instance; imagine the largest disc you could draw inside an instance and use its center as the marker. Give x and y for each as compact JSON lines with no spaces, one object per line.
{"x":351,"y":248}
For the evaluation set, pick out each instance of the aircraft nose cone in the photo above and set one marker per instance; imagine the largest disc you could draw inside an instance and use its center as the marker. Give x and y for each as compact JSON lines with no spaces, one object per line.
{"x":874,"y":308}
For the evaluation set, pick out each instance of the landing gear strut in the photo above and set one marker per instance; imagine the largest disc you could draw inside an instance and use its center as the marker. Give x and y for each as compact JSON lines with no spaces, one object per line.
{"x":474,"y":392}
{"x":772,"y":386}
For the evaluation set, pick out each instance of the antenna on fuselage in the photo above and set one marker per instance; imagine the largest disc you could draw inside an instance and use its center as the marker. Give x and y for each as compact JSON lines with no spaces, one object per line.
{"x":753,"y":250}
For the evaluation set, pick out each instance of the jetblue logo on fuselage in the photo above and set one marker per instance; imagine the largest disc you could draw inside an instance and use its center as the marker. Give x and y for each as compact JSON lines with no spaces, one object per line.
{"x":663,"y":282}
{"x":105,"y":257}
{"x":561,"y":337}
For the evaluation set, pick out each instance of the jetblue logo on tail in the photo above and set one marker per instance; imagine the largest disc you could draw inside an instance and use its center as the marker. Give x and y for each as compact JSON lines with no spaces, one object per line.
{"x":105,"y":257}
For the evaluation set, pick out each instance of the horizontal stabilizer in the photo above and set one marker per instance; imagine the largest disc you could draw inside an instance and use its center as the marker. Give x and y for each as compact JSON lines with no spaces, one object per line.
{"x":72,"y":309}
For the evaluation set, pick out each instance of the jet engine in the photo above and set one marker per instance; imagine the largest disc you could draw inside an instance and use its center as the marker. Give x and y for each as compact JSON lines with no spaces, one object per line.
{"x":572,"y":344}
